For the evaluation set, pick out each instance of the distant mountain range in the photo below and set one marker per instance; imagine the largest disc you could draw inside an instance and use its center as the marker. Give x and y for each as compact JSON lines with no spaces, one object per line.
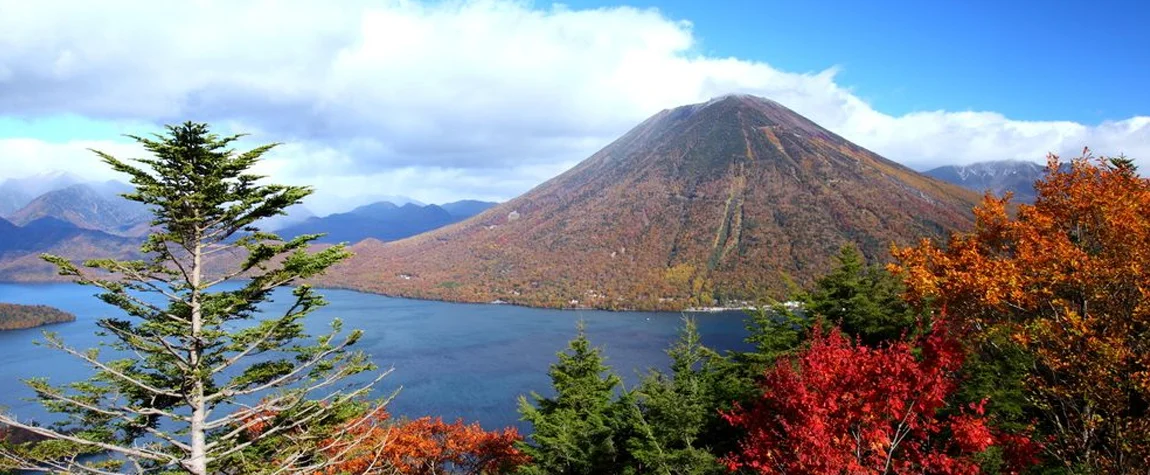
{"x":385,"y":221}
{"x":20,"y":247}
{"x":714,"y":202}
{"x":15,"y":193}
{"x":998,"y":177}
{"x":97,"y":206}
{"x":466,"y":208}
{"x":85,"y":220}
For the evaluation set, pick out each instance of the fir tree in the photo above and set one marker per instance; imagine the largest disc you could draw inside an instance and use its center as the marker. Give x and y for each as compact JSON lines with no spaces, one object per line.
{"x":680,"y":428}
{"x":864,"y":301}
{"x":195,"y":367}
{"x":584,"y":428}
{"x":774,"y":330}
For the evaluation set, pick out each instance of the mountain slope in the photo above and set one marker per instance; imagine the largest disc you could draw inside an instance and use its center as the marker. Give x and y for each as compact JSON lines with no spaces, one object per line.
{"x":11,"y":200}
{"x":15,"y":193}
{"x":467,"y":208}
{"x":383,"y":221}
{"x":998,"y":177}
{"x":95,"y":206}
{"x":724,"y":200}
{"x":20,"y":248}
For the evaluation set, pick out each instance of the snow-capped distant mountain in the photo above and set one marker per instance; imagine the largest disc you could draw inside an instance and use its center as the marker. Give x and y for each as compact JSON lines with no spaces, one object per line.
{"x":998,"y":176}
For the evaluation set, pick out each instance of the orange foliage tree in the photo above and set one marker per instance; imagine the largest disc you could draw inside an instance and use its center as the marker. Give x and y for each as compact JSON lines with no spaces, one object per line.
{"x":1068,"y":279}
{"x":371,"y":443}
{"x":422,"y":446}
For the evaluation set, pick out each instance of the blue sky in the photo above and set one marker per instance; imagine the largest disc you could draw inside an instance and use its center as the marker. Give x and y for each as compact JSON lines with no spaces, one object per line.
{"x":447,"y":100}
{"x":1031,"y":60}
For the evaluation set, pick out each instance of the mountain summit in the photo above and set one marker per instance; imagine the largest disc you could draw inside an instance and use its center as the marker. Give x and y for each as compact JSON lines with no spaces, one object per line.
{"x":998,"y":177}
{"x":95,"y":206}
{"x":720,"y":201}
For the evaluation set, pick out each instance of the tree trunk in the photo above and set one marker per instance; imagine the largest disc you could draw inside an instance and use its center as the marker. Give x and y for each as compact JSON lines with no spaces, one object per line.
{"x":197,"y":462}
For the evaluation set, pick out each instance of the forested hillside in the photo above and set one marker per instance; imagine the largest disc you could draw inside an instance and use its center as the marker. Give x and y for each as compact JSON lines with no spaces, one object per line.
{"x":735,"y":199}
{"x":14,"y":316}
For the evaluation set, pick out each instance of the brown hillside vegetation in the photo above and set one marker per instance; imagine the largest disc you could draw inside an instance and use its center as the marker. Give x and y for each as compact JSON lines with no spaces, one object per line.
{"x":15,"y":316}
{"x":721,"y":201}
{"x":27,"y":266}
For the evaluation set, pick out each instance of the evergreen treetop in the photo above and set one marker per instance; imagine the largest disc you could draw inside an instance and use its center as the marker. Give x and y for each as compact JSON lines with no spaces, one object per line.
{"x":195,"y":365}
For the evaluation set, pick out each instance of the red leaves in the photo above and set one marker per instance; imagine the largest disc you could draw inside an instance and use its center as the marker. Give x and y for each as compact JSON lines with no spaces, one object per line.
{"x":970,"y":432}
{"x":424,"y":446}
{"x":839,"y":407}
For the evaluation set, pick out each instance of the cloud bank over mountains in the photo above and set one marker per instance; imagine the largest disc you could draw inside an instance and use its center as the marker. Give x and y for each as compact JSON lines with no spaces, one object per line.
{"x":453,"y":100}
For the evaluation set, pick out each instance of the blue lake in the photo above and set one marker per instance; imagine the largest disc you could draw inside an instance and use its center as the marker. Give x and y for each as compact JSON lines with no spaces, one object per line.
{"x":453,"y":360}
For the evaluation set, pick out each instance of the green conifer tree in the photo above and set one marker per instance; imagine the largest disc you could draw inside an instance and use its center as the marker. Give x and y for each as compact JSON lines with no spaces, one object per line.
{"x":194,"y":366}
{"x":864,"y":301}
{"x":679,"y":424}
{"x":584,"y":428}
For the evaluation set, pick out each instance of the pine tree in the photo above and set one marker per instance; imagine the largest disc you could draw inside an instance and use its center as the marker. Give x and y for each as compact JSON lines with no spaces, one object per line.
{"x":773,"y":330}
{"x":195,"y":367}
{"x":864,"y":301}
{"x":679,"y":424}
{"x":583,"y":429}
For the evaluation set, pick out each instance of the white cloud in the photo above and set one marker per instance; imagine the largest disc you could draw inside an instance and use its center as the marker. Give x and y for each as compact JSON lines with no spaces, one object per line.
{"x":443,"y":101}
{"x":23,"y":157}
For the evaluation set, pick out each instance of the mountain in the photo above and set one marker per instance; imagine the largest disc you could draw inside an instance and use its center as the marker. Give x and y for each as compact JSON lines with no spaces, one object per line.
{"x":47,"y":233}
{"x":383,"y":221}
{"x":720,"y":201}
{"x":11,"y":200}
{"x":998,"y":177}
{"x":378,"y":210}
{"x":9,"y":235}
{"x":20,"y":247}
{"x":296,"y":215}
{"x":467,"y":208}
{"x":397,"y":200}
{"x":15,"y":193}
{"x":88,"y":206}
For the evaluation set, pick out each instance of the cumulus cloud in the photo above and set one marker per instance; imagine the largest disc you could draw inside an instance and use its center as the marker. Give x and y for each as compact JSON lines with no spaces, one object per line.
{"x":21,"y":157}
{"x":446,"y":100}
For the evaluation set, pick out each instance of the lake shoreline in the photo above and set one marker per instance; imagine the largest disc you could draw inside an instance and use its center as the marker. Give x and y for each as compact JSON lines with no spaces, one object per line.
{"x":497,"y":302}
{"x":452,"y":360}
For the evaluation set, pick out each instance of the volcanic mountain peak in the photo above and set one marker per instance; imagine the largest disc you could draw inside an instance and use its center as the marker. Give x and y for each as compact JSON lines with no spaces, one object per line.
{"x":767,"y":110}
{"x":724,"y":200}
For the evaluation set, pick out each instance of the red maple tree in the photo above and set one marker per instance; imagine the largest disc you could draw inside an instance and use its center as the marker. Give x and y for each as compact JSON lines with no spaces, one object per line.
{"x":841,"y":407}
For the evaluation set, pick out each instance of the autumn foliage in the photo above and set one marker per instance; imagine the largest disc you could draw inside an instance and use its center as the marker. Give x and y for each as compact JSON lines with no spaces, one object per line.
{"x":1068,"y":280}
{"x":703,"y":204}
{"x":373,"y":443}
{"x":841,"y":407}
{"x":13,"y":316}
{"x":422,"y":447}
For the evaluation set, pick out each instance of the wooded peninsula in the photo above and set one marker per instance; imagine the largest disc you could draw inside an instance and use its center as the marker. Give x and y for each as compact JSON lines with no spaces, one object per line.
{"x":17,"y":317}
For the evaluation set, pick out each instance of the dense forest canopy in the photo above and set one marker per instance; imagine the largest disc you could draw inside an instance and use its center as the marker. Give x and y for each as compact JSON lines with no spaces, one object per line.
{"x":16,"y":316}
